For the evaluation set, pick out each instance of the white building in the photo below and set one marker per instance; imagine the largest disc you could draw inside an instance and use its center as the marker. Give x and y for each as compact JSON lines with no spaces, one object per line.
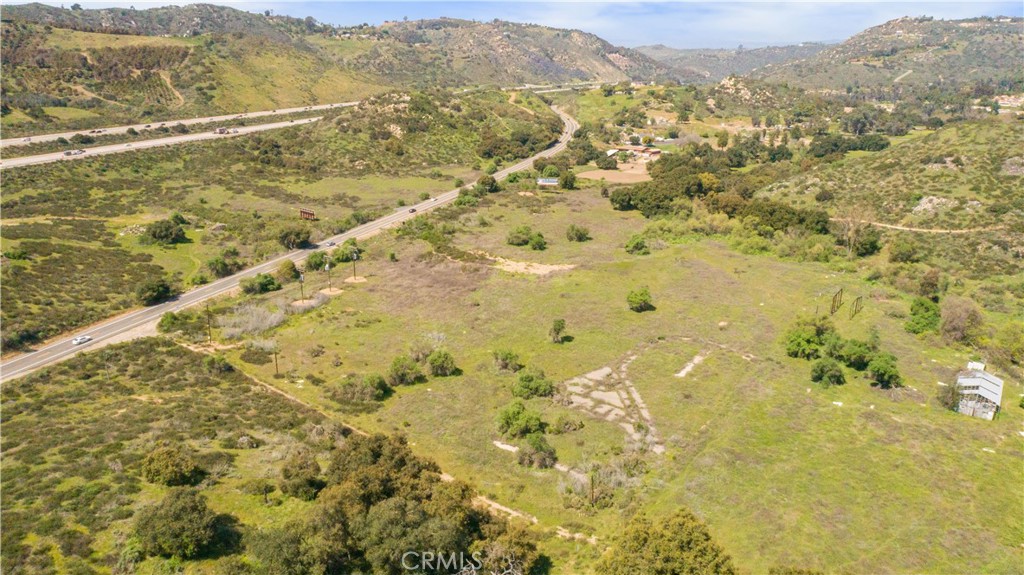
{"x":980,"y":391}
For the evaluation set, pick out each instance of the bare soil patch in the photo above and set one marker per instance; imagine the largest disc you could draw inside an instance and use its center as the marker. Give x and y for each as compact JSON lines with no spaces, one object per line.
{"x":628,"y":173}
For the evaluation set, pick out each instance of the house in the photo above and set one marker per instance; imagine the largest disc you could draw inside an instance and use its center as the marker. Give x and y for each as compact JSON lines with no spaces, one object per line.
{"x":547,"y":182}
{"x":980,"y":391}
{"x":646,"y":152}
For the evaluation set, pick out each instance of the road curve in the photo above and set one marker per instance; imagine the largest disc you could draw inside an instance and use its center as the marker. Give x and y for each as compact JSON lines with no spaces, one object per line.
{"x":63,"y":348}
{"x":188,"y":122}
{"x":142,"y":145}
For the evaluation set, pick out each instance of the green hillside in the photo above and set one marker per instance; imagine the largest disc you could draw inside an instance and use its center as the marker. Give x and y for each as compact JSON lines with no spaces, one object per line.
{"x":80,"y":69}
{"x":914,"y":53}
{"x":964,"y":176}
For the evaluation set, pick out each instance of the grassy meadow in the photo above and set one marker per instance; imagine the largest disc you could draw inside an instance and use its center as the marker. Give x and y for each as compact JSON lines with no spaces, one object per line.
{"x":847,"y":479}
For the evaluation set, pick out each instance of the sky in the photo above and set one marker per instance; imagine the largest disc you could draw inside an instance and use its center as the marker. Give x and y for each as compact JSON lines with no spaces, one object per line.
{"x":680,"y":24}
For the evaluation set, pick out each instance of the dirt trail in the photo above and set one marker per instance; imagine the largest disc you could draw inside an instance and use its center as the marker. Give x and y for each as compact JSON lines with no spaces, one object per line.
{"x":167,"y":79}
{"x":925,"y":230}
{"x":902,"y":76}
{"x":480,"y":500}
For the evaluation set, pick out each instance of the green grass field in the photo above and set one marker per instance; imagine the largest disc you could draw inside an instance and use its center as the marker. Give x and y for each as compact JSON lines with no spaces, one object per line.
{"x":886,"y":482}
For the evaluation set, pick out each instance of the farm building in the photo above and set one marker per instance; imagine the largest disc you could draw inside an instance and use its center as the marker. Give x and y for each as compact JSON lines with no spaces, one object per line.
{"x":980,"y":391}
{"x":547,"y":182}
{"x":641,"y":151}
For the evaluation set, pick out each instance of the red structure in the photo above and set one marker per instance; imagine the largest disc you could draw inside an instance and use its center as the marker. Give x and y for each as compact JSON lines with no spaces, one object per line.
{"x":307,"y":214}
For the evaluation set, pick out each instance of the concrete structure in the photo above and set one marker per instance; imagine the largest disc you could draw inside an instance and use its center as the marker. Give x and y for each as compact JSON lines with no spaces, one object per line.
{"x":547,"y":182}
{"x":980,"y":391}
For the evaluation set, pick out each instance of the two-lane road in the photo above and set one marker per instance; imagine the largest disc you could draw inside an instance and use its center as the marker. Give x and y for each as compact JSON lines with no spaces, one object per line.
{"x":142,"y":145}
{"x":63,"y":348}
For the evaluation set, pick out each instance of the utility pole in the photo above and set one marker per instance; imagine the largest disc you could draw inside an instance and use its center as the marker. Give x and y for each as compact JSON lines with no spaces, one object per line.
{"x":355,"y":256}
{"x":276,"y":370}
{"x":302,"y":286}
{"x":209,"y":323}
{"x":327,"y":268}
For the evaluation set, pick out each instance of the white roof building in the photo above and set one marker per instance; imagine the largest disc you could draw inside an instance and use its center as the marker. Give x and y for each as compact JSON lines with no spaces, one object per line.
{"x":980,"y":392}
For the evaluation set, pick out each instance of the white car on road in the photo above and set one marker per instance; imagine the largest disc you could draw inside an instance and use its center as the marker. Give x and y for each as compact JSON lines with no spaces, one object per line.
{"x":81,"y":339}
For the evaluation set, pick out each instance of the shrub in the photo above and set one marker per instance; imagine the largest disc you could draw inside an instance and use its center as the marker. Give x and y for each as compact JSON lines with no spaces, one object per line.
{"x":557,"y":332}
{"x":300,"y":476}
{"x":367,"y":389}
{"x":903,"y":250}
{"x":170,"y":465}
{"x":961,"y":320}
{"x":153,"y":291}
{"x":884,"y":371}
{"x":637,"y":246}
{"x":293,"y":237}
{"x":567,"y":181}
{"x":607,"y":163}
{"x":315,"y":262}
{"x":640,"y":300}
{"x":924,"y":316}
{"x":681,"y":543}
{"x":577,"y":233}
{"x":532,"y":383}
{"x":856,"y":354}
{"x":868,"y":243}
{"x":403,"y":371}
{"x":287,"y":272}
{"x":179,"y":526}
{"x":537,"y":452}
{"x":506,"y":360}
{"x":949,"y":397}
{"x":807,"y":337}
{"x":827,"y":372}
{"x":517,"y":421}
{"x":260,"y":283}
{"x":441,"y":363}
{"x":164,"y":232}
{"x":524,"y":235}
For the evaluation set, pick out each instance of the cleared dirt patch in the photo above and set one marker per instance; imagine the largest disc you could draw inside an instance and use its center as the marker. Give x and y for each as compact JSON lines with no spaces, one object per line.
{"x":524,"y":267}
{"x":628,"y":173}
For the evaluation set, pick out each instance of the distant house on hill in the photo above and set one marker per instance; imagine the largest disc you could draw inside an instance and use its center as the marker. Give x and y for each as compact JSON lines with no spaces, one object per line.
{"x":980,"y":391}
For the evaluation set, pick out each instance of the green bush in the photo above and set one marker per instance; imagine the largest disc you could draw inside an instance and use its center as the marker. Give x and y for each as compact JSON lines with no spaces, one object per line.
{"x":517,"y":421}
{"x":827,"y":372}
{"x":181,"y":525}
{"x":924,"y":316}
{"x":532,"y":383}
{"x":576,"y":233}
{"x":441,"y":363}
{"x":884,"y":371}
{"x":154,"y":291}
{"x":807,"y":338}
{"x":537,"y":452}
{"x":404,"y":371}
{"x":640,"y":300}
{"x":300,"y":476}
{"x":170,"y":465}
{"x":507,"y":360}
{"x":260,"y":283}
{"x":637,"y":246}
{"x":164,"y":232}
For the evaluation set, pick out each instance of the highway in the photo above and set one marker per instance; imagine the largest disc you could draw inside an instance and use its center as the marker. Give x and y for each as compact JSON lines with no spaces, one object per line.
{"x":62,"y":348}
{"x":142,"y":145}
{"x":188,"y":122}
